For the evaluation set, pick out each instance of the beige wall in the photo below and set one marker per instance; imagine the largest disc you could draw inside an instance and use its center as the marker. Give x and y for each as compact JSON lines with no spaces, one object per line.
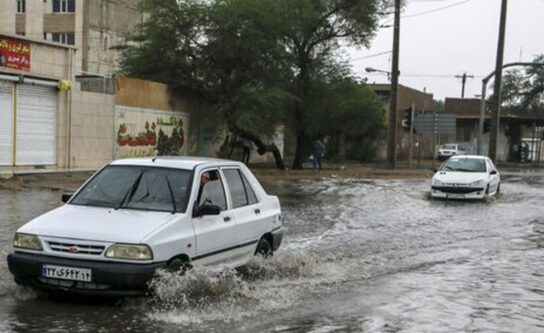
{"x":153,"y":95}
{"x":7,"y":16}
{"x":106,"y":24}
{"x":92,"y":129}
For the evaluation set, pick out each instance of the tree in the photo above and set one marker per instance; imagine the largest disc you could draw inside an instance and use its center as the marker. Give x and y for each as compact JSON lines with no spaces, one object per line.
{"x":312,"y":32}
{"x":523,"y":90}
{"x":350,"y":115}
{"x":256,"y":62}
{"x":219,"y":50}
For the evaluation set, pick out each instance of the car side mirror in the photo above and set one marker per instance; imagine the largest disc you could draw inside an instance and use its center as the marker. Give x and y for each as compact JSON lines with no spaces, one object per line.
{"x":206,"y":209}
{"x":493,"y":172}
{"x":66,"y":197}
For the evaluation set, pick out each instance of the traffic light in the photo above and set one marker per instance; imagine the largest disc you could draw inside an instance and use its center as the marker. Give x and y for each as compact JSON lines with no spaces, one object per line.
{"x":407,"y":121}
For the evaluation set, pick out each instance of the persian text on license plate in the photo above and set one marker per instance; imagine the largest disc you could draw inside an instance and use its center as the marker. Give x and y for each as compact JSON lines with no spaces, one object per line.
{"x":66,"y":273}
{"x":455,"y":196}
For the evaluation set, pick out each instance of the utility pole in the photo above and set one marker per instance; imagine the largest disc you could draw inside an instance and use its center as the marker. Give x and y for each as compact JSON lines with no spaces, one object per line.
{"x":496,"y":110}
{"x":463,"y":82}
{"x":392,"y":130}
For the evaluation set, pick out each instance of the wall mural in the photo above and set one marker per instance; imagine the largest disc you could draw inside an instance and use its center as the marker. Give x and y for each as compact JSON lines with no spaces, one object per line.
{"x":147,"y":132}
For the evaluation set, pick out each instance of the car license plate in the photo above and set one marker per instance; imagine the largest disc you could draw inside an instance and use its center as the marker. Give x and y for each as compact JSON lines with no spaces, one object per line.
{"x":66,"y":273}
{"x":455,"y":196}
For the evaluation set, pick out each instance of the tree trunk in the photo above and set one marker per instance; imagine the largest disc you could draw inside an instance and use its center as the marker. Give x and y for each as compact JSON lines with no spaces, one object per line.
{"x":263,"y":148}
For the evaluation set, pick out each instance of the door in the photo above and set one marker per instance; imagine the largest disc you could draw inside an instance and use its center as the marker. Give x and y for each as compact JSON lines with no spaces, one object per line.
{"x":6,"y":123}
{"x":36,"y":125}
{"x":247,"y":210}
{"x":216,"y":236}
{"x":493,"y":179}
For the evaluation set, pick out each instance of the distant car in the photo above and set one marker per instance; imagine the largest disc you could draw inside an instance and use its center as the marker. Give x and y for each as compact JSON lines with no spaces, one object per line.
{"x":450,"y":149}
{"x":136,"y":215}
{"x":466,"y":177}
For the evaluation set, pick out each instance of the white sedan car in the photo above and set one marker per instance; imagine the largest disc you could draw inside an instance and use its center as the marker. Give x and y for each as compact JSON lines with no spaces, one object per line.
{"x":466,"y":177}
{"x":450,"y":149}
{"x":136,"y":215}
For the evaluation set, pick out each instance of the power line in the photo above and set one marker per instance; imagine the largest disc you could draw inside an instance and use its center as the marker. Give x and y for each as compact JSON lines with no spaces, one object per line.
{"x":371,"y":56}
{"x":433,"y":10}
{"x":437,"y":9}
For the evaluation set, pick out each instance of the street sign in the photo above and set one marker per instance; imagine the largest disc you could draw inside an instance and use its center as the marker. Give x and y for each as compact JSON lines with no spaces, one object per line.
{"x":436,"y":123}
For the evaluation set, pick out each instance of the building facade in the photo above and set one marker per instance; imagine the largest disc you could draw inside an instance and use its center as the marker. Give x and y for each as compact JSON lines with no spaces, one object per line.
{"x":516,"y":129}
{"x":406,"y":98}
{"x":93,"y":27}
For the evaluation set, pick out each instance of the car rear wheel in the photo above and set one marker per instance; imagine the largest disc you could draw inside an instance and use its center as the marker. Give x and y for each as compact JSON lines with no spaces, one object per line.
{"x":264,"y":249}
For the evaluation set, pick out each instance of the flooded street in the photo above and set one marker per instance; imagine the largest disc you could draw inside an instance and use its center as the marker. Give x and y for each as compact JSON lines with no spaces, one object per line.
{"x":359,"y":256}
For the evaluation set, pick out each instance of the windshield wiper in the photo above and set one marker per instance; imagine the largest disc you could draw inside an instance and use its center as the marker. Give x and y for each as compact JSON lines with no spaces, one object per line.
{"x":130,"y":192}
{"x":174,"y":209}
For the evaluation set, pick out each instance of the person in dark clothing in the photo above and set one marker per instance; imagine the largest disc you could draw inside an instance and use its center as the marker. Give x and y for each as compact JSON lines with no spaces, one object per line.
{"x":317,"y":154}
{"x":246,"y":150}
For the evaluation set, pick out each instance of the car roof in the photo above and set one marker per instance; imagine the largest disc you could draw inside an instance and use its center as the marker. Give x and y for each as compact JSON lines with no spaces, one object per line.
{"x":178,"y":162}
{"x":468,"y":156}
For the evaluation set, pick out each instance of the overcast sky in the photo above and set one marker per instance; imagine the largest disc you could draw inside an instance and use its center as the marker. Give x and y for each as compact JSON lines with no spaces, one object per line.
{"x":437,"y":46}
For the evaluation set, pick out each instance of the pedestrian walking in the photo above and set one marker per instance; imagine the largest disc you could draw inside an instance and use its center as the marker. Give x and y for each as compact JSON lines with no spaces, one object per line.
{"x":317,"y":154}
{"x":246,"y":150}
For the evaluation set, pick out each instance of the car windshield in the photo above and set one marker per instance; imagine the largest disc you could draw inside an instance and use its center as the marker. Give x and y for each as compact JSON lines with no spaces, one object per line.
{"x":448,"y":147}
{"x":133,"y":187}
{"x":464,"y":165}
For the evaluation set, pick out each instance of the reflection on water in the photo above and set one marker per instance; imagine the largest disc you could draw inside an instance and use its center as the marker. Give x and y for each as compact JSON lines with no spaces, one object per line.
{"x":360,"y":256}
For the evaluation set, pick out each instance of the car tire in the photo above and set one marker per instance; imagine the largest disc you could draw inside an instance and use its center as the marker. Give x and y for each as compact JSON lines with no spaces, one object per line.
{"x":498,"y":188}
{"x":179,"y":265}
{"x":264,"y":249}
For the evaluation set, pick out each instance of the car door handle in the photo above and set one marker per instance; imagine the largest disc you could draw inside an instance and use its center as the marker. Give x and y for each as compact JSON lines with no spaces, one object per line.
{"x":257,"y":211}
{"x":226,"y":219}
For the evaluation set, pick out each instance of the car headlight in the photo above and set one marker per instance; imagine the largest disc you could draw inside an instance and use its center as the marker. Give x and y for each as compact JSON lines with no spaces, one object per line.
{"x":436,"y":182}
{"x":130,"y":252}
{"x":27,"y":241}
{"x":477,"y":183}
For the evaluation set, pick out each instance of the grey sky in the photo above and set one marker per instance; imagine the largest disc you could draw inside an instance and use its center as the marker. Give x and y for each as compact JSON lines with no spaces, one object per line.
{"x":437,"y":46}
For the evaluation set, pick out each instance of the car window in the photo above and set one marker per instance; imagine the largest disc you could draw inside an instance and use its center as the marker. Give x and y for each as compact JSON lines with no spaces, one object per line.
{"x":251,"y":197}
{"x":236,"y":188}
{"x":449,"y":146}
{"x":464,"y":165}
{"x":211,"y":189}
{"x":490,"y":166}
{"x":133,"y":187}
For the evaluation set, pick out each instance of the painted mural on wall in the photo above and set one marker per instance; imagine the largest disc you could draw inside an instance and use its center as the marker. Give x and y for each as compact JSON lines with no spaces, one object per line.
{"x":14,"y":53}
{"x":146,"y":132}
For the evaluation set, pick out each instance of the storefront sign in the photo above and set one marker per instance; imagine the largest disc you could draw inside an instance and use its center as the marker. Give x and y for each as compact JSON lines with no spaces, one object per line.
{"x":14,"y":53}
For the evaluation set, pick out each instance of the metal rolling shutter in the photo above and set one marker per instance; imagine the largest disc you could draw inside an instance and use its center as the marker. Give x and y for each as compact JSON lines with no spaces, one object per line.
{"x":36,"y":125}
{"x":6,"y":123}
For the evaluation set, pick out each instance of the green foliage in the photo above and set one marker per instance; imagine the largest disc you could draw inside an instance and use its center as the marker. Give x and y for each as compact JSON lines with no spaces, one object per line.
{"x":350,"y":115}
{"x":523,"y":90}
{"x":260,"y":63}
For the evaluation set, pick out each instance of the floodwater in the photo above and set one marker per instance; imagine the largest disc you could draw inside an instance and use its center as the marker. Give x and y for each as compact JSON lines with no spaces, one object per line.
{"x":359,"y":256}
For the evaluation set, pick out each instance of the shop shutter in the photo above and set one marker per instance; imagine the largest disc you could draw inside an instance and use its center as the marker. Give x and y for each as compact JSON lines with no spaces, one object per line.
{"x":6,"y":123}
{"x":36,"y":125}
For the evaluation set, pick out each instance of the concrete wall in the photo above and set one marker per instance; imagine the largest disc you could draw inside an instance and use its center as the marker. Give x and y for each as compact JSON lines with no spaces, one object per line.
{"x":157,"y":96}
{"x":7,"y":17}
{"x":92,"y":129}
{"x":107,"y":23}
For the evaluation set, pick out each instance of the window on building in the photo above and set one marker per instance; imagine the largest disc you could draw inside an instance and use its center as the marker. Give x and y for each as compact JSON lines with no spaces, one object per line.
{"x":64,"y":38}
{"x":64,"y":6}
{"x":21,"y":6}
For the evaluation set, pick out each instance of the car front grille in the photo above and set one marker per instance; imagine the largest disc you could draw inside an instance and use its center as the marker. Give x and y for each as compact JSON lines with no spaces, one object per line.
{"x":77,"y":248}
{"x":457,"y":189}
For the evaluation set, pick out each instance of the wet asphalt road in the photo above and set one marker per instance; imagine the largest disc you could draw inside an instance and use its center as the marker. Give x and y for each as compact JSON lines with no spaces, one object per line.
{"x":360,"y":256}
